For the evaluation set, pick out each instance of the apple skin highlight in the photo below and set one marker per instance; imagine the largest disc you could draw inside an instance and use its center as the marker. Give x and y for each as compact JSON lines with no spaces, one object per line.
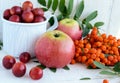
{"x":70,"y":27}
{"x":55,"y":52}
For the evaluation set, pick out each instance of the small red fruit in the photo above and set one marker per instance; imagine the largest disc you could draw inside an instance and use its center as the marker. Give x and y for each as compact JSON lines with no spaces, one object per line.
{"x":6,"y":14}
{"x":14,"y":18}
{"x":24,"y":57}
{"x":36,"y":73}
{"x":16,"y":10}
{"x":19,"y":69}
{"x":26,"y":5}
{"x":39,"y":19}
{"x":8,"y":61}
{"x":27,"y":16}
{"x":38,"y":12}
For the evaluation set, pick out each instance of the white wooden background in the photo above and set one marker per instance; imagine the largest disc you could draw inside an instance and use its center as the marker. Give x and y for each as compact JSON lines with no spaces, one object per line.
{"x":108,"y":12}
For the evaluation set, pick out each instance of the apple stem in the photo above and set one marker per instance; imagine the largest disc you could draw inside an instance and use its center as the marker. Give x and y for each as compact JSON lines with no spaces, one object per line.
{"x":57,"y":35}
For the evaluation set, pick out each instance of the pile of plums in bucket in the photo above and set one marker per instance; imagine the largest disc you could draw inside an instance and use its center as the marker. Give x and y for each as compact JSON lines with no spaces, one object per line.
{"x":24,"y":14}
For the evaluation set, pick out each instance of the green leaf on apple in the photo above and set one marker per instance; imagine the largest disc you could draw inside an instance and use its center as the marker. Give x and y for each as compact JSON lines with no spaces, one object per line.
{"x":41,"y":66}
{"x":66,"y":68}
{"x":97,"y":24}
{"x":70,"y":7}
{"x":54,"y":5}
{"x":49,"y":4}
{"x":53,"y":69}
{"x":42,"y":2}
{"x":79,"y":9}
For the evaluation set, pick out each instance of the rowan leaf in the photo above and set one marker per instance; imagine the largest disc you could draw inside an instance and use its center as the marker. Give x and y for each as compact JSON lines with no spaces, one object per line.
{"x":79,"y":9}
{"x":90,"y":17}
{"x":49,"y":3}
{"x":107,"y":72}
{"x":70,"y":7}
{"x":97,"y":24}
{"x":42,"y":2}
{"x":54,"y":5}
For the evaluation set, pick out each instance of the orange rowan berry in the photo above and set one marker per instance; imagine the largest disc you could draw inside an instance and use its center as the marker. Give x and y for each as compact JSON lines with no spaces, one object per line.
{"x":93,"y":56}
{"x":86,"y":50}
{"x":92,"y":50}
{"x":103,"y":47}
{"x":110,"y":57}
{"x":88,"y":45}
{"x":102,"y":56}
{"x":105,"y":81}
{"x":83,"y":59}
{"x":103,"y":35}
{"x":73,"y":61}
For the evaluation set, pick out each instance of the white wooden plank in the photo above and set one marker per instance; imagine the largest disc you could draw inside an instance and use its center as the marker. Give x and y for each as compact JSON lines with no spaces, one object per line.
{"x":114,"y":27}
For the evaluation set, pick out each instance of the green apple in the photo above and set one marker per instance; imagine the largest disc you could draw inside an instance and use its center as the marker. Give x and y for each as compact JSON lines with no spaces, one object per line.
{"x":70,"y":27}
{"x":54,"y":49}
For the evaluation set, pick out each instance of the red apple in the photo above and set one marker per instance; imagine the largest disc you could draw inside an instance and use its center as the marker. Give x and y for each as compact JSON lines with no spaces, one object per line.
{"x":70,"y":27}
{"x":16,"y":10}
{"x":39,"y":19}
{"x":54,"y":49}
{"x":38,"y":11}
{"x":26,"y":5}
{"x":6,"y":14}
{"x":27,"y":16}
{"x":14,"y":18}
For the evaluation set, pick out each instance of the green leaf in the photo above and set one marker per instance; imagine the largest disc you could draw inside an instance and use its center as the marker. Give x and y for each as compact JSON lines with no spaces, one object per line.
{"x":70,"y":7}
{"x":91,"y":16}
{"x":80,"y":24}
{"x":59,"y":17}
{"x":117,"y":67}
{"x":106,"y":55}
{"x":42,"y":2}
{"x":107,"y":73}
{"x":86,"y":78}
{"x":53,"y":69}
{"x":45,"y":9}
{"x":97,"y":24}
{"x":79,"y":9}
{"x":41,"y":66}
{"x":51,"y":21}
{"x":49,"y":3}
{"x":99,"y":65}
{"x":54,"y":5}
{"x":89,"y":26}
{"x":85,"y":32}
{"x":36,"y":61}
{"x":66,"y":68}
{"x":62,"y":6}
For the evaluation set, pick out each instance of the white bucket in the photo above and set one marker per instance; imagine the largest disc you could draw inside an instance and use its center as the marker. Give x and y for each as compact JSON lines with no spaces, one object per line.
{"x":21,"y":37}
